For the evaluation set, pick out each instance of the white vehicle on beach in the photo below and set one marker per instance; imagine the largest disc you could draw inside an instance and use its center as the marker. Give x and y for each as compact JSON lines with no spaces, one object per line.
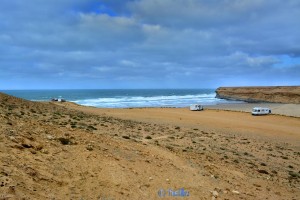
{"x":196,"y":107}
{"x":261,"y":111}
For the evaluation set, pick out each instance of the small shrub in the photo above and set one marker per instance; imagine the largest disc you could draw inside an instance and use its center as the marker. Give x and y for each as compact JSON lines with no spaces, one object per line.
{"x":91,"y":127}
{"x":89,"y":147}
{"x":294,"y":174}
{"x":263,"y":164}
{"x":125,"y":137}
{"x":262,"y":171}
{"x":33,"y":111}
{"x":65,"y":141}
{"x":169,"y":147}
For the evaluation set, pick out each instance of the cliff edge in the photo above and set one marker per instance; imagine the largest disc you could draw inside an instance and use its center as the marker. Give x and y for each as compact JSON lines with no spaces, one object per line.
{"x":272,"y":94}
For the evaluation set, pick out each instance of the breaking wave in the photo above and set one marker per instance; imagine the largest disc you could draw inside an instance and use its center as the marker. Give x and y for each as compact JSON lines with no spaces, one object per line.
{"x":152,"y":101}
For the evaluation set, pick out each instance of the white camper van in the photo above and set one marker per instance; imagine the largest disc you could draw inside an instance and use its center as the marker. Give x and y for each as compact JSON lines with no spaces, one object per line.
{"x":261,"y":111}
{"x":196,"y":107}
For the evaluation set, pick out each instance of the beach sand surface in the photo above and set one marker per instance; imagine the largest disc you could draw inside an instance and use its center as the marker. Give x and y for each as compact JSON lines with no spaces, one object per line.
{"x":68,"y":151}
{"x":225,"y":118}
{"x":277,"y":108}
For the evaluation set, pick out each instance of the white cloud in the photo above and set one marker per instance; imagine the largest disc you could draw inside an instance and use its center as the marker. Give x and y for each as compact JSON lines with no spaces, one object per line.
{"x":153,"y":40}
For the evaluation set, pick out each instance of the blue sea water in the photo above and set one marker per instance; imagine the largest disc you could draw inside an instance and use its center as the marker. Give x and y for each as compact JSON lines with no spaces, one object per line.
{"x":125,"y":98}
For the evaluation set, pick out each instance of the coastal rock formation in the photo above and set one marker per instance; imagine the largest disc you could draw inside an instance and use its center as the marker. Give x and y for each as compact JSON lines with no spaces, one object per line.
{"x":275,"y":94}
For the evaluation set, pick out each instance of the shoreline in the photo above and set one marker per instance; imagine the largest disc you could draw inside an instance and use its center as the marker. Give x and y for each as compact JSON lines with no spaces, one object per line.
{"x":282,"y":109}
{"x":215,"y":119}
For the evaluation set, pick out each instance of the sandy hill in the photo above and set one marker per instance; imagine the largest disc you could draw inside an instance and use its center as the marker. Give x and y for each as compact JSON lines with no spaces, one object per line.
{"x":276,"y":94}
{"x":56,"y":151}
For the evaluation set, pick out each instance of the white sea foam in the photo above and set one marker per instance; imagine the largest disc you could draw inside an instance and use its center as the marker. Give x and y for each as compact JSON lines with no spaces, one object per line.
{"x":151,"y":101}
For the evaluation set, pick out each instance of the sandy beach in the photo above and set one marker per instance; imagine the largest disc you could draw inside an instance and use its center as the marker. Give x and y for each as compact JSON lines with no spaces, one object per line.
{"x":225,"y":118}
{"x":277,"y":108}
{"x":68,"y":151}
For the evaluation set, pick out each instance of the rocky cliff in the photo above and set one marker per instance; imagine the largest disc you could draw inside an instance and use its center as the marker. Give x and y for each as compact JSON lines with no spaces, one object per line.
{"x":274,"y":94}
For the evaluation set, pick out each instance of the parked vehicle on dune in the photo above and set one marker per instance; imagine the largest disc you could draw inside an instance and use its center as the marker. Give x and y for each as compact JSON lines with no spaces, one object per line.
{"x":261,"y":111}
{"x":196,"y":107}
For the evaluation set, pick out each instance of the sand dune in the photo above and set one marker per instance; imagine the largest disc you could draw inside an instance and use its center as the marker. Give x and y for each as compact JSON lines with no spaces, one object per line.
{"x":66,"y":151}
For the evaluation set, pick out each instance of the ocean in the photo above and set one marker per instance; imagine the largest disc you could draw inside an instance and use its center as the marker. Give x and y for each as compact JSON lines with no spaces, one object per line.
{"x":125,"y":98}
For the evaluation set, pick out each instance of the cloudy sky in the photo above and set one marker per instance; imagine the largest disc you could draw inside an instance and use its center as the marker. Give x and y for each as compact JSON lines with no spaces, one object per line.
{"x":49,"y":44}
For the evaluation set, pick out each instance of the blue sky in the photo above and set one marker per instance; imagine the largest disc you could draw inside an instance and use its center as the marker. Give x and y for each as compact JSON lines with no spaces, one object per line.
{"x":62,"y":44}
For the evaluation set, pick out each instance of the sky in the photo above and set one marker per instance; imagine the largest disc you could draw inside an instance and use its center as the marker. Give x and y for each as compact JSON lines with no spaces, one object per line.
{"x":106,"y":44}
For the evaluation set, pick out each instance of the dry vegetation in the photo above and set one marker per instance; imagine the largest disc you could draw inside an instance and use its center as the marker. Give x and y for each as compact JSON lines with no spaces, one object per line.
{"x":51,"y":152}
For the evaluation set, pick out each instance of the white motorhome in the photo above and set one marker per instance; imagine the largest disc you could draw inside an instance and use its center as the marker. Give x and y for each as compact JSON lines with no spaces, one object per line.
{"x":196,"y":107}
{"x":261,"y":111}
